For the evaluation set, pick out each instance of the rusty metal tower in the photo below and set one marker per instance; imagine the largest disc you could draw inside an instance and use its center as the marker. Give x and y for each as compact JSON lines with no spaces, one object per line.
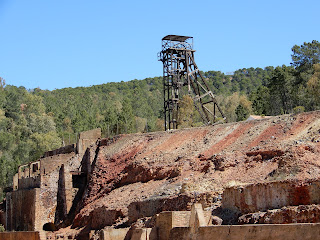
{"x":180,"y":69}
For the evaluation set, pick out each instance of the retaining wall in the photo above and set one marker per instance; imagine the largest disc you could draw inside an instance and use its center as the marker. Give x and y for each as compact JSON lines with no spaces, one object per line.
{"x":125,"y":233}
{"x":272,"y":195}
{"x":303,"y":231}
{"x":23,"y":210}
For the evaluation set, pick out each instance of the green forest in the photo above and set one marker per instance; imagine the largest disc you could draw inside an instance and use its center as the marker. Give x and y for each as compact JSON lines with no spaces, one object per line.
{"x":34,"y":121}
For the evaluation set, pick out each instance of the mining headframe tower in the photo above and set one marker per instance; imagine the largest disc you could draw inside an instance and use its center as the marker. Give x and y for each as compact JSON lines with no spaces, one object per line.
{"x":180,"y":69}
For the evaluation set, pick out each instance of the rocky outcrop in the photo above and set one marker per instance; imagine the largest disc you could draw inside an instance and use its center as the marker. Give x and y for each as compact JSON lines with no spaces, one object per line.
{"x":288,"y":214}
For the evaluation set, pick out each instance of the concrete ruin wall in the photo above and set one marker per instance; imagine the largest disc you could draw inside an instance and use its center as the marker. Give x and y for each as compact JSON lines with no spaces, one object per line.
{"x":49,"y":187}
{"x":20,"y":236}
{"x":87,"y":138}
{"x":272,"y":195}
{"x":42,"y":174}
{"x":151,"y":207}
{"x":23,"y":210}
{"x":301,"y":231}
{"x":52,"y":164}
{"x":169,"y":220}
{"x":63,"y":150}
{"x":39,"y":187}
{"x":113,"y":234}
{"x":28,"y":176}
{"x":15,"y":181}
{"x":127,"y":233}
{"x":29,"y":182}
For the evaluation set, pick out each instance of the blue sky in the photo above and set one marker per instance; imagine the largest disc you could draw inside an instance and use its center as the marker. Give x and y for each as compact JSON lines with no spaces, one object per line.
{"x":55,"y":44}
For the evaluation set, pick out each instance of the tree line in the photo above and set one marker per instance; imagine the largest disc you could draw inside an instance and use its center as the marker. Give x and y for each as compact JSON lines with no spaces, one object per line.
{"x":35,"y":121}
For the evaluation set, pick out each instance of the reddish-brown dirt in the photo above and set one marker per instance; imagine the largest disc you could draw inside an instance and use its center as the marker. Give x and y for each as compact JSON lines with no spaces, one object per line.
{"x":300,"y":124}
{"x":134,"y":175}
{"x":178,"y":139}
{"x":229,"y":139}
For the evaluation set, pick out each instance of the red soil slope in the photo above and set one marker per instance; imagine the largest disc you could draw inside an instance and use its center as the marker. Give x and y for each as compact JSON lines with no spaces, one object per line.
{"x":139,"y":175}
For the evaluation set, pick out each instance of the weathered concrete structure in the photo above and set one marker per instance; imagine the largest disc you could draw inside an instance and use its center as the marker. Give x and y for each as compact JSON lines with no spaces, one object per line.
{"x":46,"y":191}
{"x":272,"y":195}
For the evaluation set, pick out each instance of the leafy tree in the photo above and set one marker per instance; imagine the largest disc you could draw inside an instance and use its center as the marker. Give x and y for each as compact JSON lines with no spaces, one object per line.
{"x":280,"y":87}
{"x":2,"y":228}
{"x":314,"y":84}
{"x":43,"y":142}
{"x":126,"y":118}
{"x":140,"y":124}
{"x":67,"y":124}
{"x":242,"y":113}
{"x":305,"y":56}
{"x":2,"y":83}
{"x":298,"y":109}
{"x":14,"y":97}
{"x":33,"y":104}
{"x":244,"y":108}
{"x":2,"y":93}
{"x":41,"y":123}
{"x":261,"y":101}
{"x":228,"y":105}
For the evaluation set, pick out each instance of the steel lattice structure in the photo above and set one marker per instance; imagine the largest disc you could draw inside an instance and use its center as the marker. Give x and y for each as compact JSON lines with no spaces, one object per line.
{"x":180,"y":69}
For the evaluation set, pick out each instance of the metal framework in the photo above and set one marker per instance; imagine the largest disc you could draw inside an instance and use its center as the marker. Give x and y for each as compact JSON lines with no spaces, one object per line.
{"x":180,"y":69}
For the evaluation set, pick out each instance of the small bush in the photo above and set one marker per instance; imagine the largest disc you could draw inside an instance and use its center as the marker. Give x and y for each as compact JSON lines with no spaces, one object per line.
{"x":298,"y":109}
{"x":2,"y":229}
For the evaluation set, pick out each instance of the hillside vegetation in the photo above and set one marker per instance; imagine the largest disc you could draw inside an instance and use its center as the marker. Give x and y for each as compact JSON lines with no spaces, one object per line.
{"x":34,"y":121}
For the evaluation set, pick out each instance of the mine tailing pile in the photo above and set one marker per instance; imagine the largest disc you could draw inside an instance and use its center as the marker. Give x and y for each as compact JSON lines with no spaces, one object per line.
{"x":137,"y":176}
{"x":260,"y":171}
